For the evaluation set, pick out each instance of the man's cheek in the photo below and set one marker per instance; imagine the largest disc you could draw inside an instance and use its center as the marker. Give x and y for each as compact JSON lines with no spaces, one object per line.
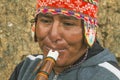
{"x":40,"y":34}
{"x":74,"y":39}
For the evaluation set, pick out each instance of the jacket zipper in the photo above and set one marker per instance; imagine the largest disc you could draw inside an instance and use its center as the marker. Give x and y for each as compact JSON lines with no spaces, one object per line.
{"x":55,"y":77}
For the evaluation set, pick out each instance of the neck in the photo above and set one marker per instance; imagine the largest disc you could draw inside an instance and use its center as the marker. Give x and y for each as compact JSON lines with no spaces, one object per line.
{"x":58,"y":70}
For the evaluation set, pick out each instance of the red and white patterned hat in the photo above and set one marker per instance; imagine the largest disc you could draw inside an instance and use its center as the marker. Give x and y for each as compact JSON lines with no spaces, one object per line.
{"x":81,"y":9}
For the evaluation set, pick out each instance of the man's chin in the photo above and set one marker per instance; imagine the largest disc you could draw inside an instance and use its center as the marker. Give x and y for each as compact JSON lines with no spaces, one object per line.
{"x":60,"y":64}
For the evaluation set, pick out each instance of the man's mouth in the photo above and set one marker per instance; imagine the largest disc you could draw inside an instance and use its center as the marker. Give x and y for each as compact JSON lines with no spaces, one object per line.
{"x":54,"y":49}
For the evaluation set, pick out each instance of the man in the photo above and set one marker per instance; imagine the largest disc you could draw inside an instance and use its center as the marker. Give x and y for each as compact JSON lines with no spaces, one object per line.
{"x":69,"y":26}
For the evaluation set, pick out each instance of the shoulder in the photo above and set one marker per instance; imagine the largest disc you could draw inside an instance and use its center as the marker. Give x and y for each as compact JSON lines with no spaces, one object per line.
{"x":112,"y":67}
{"x":34,"y":57}
{"x":103,"y":71}
{"x":108,"y":71}
{"x":16,"y":71}
{"x":27,"y":63}
{"x":30,"y":59}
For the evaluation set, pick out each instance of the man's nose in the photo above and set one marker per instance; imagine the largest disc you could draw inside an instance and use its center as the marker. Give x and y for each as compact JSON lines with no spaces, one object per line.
{"x":54,"y":34}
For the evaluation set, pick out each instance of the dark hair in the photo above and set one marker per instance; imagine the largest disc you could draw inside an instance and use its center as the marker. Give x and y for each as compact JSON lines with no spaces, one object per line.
{"x":35,"y":21}
{"x":83,"y":32}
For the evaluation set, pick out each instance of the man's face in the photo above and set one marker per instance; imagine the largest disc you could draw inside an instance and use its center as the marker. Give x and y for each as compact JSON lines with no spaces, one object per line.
{"x":61,"y":33}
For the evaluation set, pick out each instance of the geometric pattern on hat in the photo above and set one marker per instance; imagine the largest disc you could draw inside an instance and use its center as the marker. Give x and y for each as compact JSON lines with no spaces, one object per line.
{"x":68,"y":13}
{"x":88,"y":7}
{"x":77,"y":8}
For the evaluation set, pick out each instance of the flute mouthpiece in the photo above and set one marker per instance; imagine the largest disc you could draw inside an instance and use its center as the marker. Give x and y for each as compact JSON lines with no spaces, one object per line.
{"x":53,"y":54}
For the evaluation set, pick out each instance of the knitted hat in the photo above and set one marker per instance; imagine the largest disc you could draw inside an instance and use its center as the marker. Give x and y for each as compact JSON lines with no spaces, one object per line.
{"x":81,"y":9}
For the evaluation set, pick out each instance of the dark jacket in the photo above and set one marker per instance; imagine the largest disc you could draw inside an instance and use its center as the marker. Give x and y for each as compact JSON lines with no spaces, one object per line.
{"x":100,"y":65}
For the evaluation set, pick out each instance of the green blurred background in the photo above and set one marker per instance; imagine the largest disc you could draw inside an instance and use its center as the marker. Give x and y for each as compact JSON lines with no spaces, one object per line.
{"x":15,"y":31}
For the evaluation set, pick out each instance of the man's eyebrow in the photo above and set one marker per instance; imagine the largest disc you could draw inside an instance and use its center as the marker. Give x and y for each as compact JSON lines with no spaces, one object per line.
{"x":68,"y":17}
{"x":47,"y":15}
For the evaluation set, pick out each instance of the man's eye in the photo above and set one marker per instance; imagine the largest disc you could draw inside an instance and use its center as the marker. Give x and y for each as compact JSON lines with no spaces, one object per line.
{"x":45,"y":21}
{"x":68,"y":24}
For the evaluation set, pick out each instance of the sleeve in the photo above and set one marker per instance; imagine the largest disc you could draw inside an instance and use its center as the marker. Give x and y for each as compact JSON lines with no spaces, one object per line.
{"x":108,"y":71}
{"x":16,"y":71}
{"x":27,"y":69}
